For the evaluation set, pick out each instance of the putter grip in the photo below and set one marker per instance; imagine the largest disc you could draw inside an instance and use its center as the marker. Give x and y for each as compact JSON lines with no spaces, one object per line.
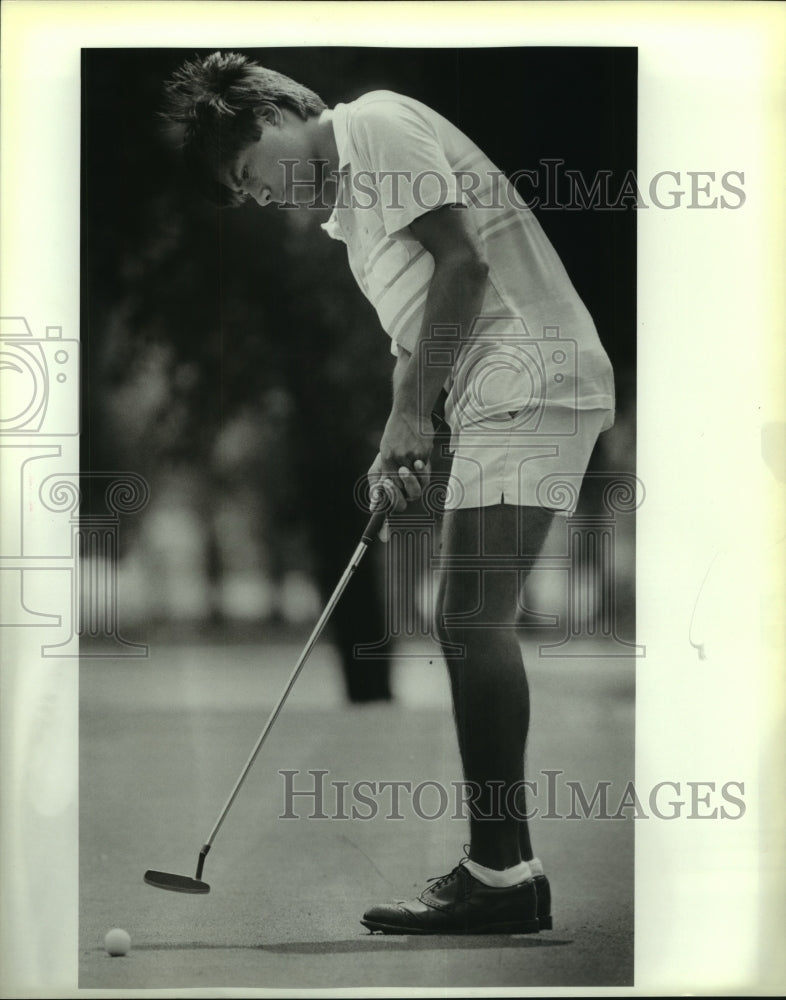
{"x":374,"y":526}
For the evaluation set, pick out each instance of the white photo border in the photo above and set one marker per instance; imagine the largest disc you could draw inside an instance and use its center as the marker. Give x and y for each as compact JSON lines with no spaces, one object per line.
{"x":711,"y":362}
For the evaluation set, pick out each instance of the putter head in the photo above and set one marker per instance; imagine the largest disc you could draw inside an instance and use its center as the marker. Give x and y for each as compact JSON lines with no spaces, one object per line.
{"x":176,"y":883}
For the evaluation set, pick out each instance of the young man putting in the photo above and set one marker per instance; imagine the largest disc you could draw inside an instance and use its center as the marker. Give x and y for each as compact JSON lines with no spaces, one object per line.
{"x":484,"y":320}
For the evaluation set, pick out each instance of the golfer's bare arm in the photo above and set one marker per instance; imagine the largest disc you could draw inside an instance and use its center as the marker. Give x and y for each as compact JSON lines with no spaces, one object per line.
{"x":454,"y":300}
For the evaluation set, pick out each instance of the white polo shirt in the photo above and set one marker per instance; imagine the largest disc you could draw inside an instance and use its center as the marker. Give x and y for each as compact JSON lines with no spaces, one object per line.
{"x":535,"y":344}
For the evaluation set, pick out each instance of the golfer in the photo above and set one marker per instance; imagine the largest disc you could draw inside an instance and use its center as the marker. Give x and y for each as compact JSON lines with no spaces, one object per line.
{"x":487,"y":330}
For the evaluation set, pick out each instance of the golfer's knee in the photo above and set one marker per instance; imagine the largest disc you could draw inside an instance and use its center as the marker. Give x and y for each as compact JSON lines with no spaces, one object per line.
{"x":441,"y":629}
{"x":474,"y":623}
{"x":468,"y":639}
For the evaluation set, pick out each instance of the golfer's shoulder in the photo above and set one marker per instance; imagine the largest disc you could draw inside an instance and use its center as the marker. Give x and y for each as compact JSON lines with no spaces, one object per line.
{"x":383,"y":114}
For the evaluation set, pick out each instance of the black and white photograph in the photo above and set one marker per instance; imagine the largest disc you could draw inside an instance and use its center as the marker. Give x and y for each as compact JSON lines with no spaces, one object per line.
{"x":274,"y":377}
{"x":379,"y":553}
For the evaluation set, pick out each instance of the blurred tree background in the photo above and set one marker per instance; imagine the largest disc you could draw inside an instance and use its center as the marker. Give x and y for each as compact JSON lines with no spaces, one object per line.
{"x":229,"y":358}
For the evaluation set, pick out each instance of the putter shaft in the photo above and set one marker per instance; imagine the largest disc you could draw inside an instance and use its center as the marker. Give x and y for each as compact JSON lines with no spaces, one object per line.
{"x":371,"y":531}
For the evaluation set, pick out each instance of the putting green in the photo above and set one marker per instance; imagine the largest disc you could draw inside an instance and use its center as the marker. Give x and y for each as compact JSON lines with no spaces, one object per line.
{"x":286,"y":894}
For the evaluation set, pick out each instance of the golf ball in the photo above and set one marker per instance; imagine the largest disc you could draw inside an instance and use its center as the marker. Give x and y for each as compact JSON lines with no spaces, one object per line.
{"x":117,"y":942}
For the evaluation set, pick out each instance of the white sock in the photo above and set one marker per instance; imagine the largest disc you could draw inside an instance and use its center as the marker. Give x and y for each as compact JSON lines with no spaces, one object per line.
{"x":499,"y":879}
{"x":536,"y":866}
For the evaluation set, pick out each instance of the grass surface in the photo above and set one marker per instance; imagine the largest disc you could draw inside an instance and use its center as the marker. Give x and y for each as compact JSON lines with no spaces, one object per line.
{"x":162,"y":742}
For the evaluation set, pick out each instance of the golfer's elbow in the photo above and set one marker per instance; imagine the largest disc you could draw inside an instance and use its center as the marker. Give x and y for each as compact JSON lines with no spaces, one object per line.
{"x":474,"y":267}
{"x":469,"y":266}
{"x":478,"y":271}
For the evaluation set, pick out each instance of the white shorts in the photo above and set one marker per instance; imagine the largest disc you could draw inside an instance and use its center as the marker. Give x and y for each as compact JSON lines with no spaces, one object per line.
{"x":504,"y":460}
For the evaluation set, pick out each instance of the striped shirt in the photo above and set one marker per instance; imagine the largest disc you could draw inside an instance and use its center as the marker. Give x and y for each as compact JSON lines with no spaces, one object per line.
{"x":535,"y":343}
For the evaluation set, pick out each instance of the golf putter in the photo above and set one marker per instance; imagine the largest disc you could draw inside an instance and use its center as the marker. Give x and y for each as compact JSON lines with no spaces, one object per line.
{"x":182,"y":883}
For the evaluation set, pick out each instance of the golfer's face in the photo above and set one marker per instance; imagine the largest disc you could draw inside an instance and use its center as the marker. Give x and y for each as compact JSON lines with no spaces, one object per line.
{"x":274,"y":168}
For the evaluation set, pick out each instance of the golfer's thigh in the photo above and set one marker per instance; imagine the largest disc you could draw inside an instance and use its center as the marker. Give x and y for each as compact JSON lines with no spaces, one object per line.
{"x":492,"y":548}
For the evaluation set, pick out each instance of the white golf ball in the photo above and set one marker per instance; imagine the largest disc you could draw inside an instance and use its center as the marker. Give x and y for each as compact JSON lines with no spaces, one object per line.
{"x":117,"y":942}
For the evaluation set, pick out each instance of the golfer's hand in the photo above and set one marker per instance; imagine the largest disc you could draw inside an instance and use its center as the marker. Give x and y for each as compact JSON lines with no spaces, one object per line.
{"x":405,"y":453}
{"x":395,"y":492}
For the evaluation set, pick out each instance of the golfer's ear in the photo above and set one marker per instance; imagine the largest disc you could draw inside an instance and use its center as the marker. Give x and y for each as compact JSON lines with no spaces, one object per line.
{"x":268,"y":113}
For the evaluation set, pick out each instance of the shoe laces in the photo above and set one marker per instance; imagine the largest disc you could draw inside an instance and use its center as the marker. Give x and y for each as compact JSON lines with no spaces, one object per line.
{"x":439,"y":880}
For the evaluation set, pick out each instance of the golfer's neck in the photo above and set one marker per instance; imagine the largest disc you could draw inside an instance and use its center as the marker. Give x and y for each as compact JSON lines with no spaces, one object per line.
{"x":324,"y":141}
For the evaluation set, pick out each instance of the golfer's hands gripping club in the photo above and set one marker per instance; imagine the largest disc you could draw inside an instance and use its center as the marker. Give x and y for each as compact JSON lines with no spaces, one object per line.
{"x":401,"y":470}
{"x":395,"y":494}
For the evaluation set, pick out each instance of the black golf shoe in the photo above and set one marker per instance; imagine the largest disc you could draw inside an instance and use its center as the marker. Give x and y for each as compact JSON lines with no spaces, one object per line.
{"x":543,"y":889}
{"x":458,"y":903}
